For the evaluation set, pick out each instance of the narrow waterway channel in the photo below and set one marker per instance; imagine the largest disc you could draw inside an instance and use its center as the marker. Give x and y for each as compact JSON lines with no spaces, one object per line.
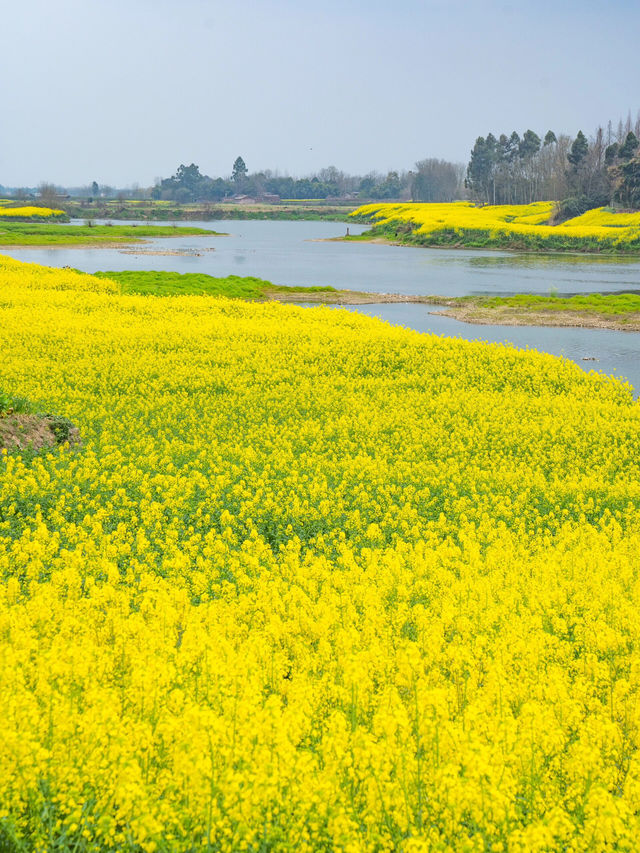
{"x":302,"y":253}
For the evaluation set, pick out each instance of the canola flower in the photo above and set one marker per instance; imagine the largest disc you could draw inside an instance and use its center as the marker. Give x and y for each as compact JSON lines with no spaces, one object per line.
{"x":602,"y":216}
{"x":30,"y":212}
{"x":504,"y":224}
{"x":312,"y":582}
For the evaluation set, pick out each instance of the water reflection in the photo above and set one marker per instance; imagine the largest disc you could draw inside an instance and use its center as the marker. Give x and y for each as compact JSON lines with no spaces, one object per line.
{"x":529,"y":259}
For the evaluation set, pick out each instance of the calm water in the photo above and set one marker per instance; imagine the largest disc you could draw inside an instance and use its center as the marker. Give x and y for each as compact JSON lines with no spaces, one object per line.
{"x":295,"y":253}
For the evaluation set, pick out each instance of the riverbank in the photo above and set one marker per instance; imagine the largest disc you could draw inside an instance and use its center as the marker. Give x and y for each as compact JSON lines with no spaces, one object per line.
{"x":470,"y":310}
{"x":169,"y":211}
{"x":327,"y":296}
{"x":598,"y":311}
{"x":618,"y":312}
{"x":462,"y":225}
{"x":34,"y":235}
{"x":398,"y":234}
{"x":165,"y":283}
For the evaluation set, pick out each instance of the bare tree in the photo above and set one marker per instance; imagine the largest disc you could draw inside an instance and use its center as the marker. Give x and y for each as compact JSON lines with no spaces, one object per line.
{"x":48,"y":194}
{"x":437,"y":180}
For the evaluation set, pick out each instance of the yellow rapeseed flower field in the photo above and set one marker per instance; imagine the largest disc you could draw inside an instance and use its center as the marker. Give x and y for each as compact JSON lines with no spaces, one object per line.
{"x":600,"y":216}
{"x":312,"y":582}
{"x":504,"y":224}
{"x":30,"y":212}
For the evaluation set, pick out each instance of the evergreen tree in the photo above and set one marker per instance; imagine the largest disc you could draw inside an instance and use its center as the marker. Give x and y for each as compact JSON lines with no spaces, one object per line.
{"x":628,"y":148}
{"x":529,"y":145}
{"x":188,"y":178}
{"x":611,"y":154}
{"x":479,"y":171}
{"x":629,"y":189}
{"x":240,"y":170}
{"x":514,"y":147}
{"x":579,"y":150}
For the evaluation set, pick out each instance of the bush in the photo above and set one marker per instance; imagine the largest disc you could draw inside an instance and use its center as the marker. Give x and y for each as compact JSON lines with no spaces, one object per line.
{"x":60,"y":427}
{"x":569,"y":208}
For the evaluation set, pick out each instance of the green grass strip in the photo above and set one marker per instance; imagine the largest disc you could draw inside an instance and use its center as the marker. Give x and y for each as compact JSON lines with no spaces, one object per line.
{"x":163,"y":283}
{"x":48,"y":234}
{"x":600,"y":303}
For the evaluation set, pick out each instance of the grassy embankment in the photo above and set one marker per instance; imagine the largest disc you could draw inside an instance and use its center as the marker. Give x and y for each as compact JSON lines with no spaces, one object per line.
{"x":52,"y":235}
{"x":593,"y":310}
{"x":515,"y":227}
{"x":289,"y":209}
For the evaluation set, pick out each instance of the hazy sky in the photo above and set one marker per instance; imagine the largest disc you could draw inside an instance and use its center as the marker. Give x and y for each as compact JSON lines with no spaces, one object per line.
{"x":123,"y":91}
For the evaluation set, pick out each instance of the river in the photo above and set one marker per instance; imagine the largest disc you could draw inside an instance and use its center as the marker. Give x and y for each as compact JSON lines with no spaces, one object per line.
{"x":300,"y":253}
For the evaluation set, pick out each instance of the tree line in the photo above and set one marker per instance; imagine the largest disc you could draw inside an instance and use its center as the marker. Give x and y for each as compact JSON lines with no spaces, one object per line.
{"x":188,"y":184}
{"x":580,"y":173}
{"x":505,"y":169}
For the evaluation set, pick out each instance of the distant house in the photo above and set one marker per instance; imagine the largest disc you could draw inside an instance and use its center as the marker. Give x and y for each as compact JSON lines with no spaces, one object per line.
{"x":265,"y":198}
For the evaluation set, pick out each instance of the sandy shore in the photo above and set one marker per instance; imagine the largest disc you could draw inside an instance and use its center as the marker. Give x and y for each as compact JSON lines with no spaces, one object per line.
{"x":466,"y":313}
{"x":506,"y":316}
{"x":343,"y":297}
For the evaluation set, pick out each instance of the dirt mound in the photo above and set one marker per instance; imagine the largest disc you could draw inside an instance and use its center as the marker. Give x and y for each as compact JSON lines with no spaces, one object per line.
{"x":36,"y":432}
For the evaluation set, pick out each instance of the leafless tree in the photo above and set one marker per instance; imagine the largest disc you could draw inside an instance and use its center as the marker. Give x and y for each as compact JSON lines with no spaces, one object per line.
{"x":48,"y":195}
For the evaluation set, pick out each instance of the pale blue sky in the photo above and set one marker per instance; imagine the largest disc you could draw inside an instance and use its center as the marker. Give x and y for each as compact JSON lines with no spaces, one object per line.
{"x":123,"y":91}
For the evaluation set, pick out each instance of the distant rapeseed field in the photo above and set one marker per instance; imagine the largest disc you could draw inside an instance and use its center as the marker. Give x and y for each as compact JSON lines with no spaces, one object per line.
{"x":30,"y":212}
{"x":312,"y":582}
{"x":522,"y":225}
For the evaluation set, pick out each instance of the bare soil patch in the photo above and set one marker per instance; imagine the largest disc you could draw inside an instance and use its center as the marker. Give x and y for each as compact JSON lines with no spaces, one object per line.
{"x":36,"y":432}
